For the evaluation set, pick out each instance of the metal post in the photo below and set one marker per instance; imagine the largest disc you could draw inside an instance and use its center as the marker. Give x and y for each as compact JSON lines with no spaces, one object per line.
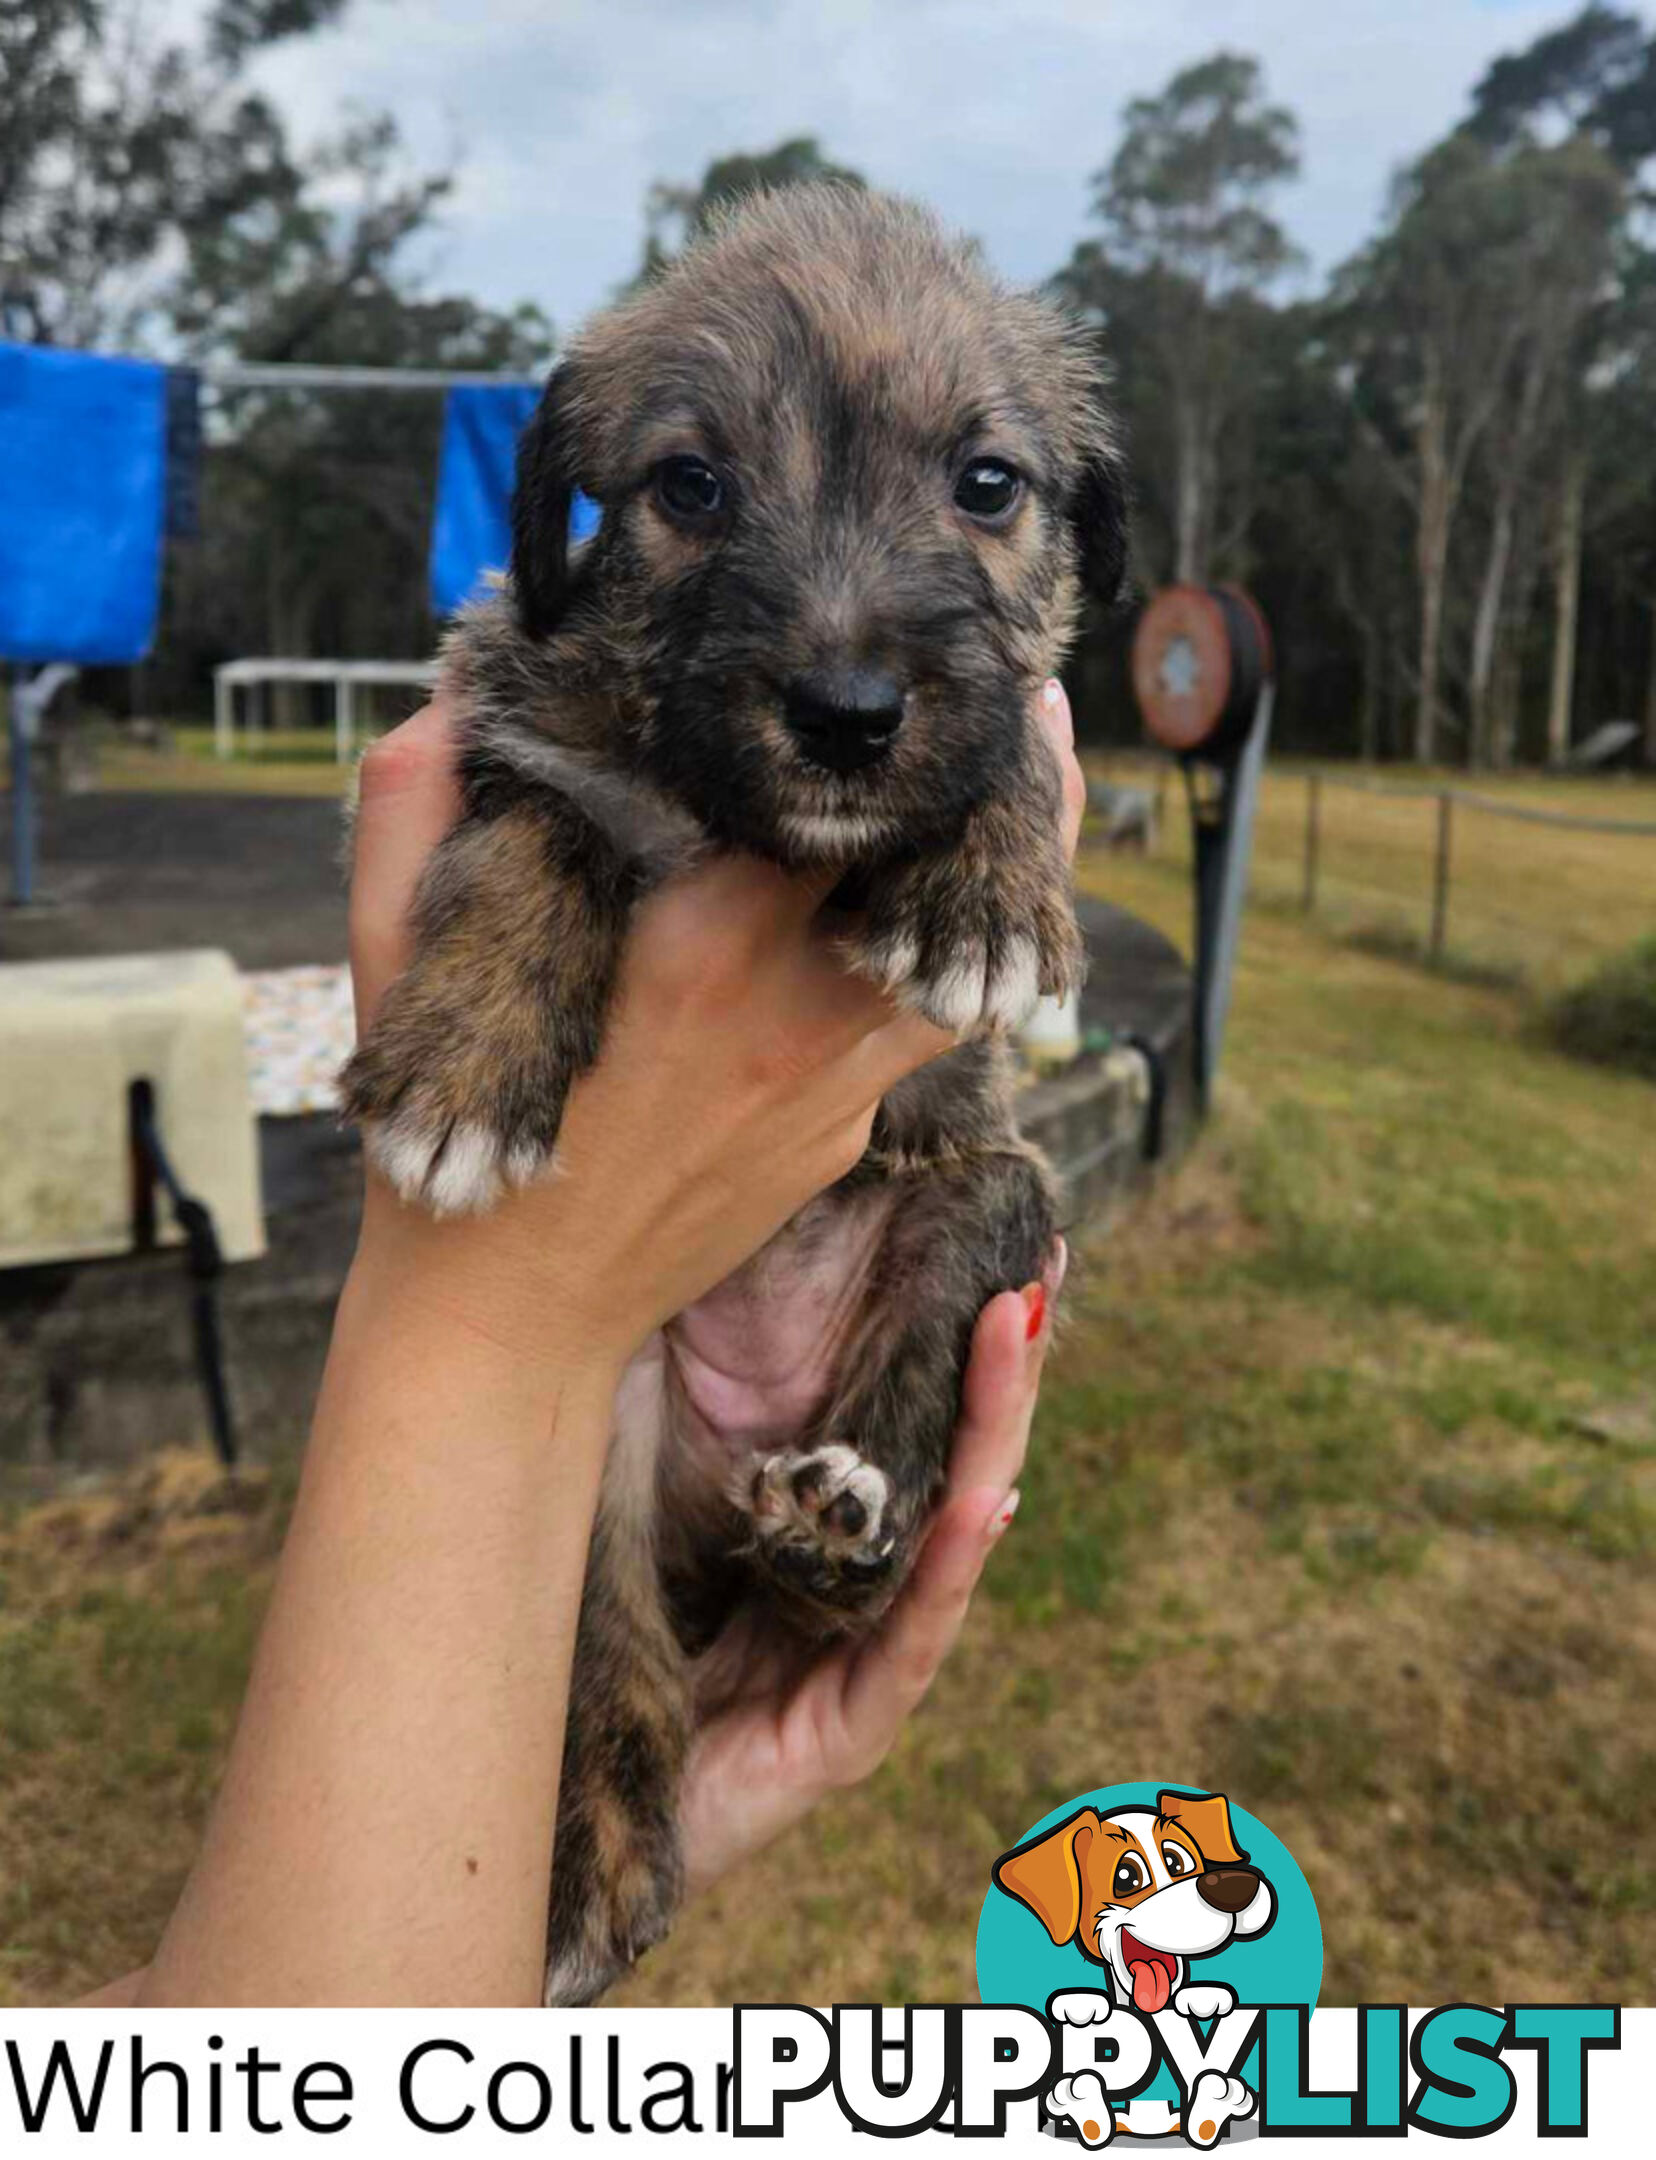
{"x":1313,"y":838}
{"x":22,"y":791}
{"x":344,"y":719}
{"x":224,"y":714}
{"x":1440,"y":879}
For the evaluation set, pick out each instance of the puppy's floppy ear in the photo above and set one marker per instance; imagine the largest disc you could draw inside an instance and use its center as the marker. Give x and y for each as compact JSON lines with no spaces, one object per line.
{"x":1098,"y":498}
{"x":541,"y":497}
{"x":1046,"y":1874}
{"x":1098,"y":516}
{"x":1206,"y":1816}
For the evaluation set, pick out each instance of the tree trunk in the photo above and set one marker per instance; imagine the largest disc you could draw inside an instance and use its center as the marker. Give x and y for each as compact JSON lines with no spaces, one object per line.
{"x":1650,"y":698}
{"x":1432,"y":552}
{"x":1480,"y":748}
{"x":1505,"y":696}
{"x":1566,"y":599}
{"x":1188,"y":565}
{"x":1368,"y":721}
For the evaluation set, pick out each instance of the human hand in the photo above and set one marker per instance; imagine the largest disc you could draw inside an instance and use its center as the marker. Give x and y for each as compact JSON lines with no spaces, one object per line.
{"x":781,"y":1739}
{"x":736,"y":1030}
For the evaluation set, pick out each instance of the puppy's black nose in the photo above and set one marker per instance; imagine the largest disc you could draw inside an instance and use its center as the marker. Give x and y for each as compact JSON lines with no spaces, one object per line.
{"x":1228,"y":1889}
{"x":844,"y":718}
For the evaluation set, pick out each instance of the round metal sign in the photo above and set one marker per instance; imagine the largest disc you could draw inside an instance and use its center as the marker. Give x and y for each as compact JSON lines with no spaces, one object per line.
{"x":1200,"y":656}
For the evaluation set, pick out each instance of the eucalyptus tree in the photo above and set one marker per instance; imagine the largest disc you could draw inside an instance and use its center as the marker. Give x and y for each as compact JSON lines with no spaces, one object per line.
{"x":1188,"y":255}
{"x":119,"y":146}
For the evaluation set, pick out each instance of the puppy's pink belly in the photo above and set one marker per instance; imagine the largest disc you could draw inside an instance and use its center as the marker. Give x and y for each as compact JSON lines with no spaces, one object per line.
{"x":756,"y":1357}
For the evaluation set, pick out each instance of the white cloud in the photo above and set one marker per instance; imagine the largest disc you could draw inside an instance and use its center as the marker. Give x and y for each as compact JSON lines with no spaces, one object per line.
{"x":562,"y":113}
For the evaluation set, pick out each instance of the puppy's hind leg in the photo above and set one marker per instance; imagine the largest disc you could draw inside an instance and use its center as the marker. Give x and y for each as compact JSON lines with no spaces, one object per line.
{"x":460,"y":1083}
{"x":837,"y":1519}
{"x":617,"y":1870}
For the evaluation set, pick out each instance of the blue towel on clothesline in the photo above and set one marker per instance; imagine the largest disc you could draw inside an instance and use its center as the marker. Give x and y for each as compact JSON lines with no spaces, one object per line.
{"x":83,"y":459}
{"x":471,"y":532}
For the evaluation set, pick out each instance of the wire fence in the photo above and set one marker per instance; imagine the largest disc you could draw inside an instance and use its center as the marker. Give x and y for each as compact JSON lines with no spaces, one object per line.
{"x":1504,"y":883}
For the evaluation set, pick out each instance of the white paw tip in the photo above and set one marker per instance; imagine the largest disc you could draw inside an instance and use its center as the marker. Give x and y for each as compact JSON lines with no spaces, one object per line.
{"x":890,"y":962}
{"x":1211,"y":2001}
{"x":973,"y":991}
{"x":1080,"y":2006}
{"x":465,"y":1177}
{"x":454,"y":1170}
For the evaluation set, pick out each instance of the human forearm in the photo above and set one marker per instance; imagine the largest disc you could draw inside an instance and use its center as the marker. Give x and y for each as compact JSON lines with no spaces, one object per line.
{"x":424,"y":1612}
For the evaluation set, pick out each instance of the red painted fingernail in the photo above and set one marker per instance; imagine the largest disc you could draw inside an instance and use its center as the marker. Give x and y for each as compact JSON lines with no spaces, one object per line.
{"x":1035,"y":1305}
{"x":1002,"y":1516}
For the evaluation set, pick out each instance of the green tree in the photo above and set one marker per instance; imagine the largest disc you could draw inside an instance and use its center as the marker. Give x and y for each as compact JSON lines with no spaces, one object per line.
{"x":1188,"y":256}
{"x":1444,"y":329}
{"x":319,"y":505}
{"x":118,"y":149}
{"x":1591,"y":82}
{"x":1584,"y":78}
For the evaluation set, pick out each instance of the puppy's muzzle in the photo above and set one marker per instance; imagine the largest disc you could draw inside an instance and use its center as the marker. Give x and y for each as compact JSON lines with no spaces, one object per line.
{"x":1228,"y":1890}
{"x":843,"y":718}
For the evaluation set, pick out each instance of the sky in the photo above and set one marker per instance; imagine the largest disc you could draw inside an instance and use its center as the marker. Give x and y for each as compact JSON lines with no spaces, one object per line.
{"x":559,"y":113}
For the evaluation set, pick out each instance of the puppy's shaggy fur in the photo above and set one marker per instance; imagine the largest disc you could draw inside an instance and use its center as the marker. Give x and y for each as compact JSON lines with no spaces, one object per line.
{"x":851,"y":490}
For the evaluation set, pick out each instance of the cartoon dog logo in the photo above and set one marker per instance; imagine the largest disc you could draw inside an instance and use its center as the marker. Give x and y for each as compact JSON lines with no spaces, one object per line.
{"x":1142,"y":1892}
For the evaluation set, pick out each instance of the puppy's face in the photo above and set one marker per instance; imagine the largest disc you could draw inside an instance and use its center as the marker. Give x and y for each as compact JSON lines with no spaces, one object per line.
{"x":850,"y":491}
{"x":1143,"y":1890}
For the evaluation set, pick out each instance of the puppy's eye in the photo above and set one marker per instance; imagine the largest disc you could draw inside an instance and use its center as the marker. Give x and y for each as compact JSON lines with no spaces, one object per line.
{"x":987,"y":489}
{"x":689,"y":488}
{"x":1178,"y":1861}
{"x":1129,"y":1876}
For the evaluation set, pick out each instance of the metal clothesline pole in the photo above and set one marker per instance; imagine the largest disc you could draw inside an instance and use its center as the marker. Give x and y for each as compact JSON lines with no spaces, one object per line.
{"x":22,"y":790}
{"x":303,"y":375}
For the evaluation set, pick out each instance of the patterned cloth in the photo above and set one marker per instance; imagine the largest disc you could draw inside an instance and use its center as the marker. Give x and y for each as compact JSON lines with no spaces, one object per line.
{"x":300,"y":1029}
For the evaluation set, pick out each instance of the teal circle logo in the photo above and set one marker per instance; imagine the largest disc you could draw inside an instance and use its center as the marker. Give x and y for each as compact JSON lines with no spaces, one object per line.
{"x":1173,"y":1889}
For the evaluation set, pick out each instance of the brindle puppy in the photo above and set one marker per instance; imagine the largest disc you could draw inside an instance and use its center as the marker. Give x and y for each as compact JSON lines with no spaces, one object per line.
{"x":850,"y":492}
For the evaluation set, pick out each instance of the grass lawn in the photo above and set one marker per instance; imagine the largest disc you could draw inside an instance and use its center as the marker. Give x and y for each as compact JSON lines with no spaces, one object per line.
{"x":1343,"y":1499}
{"x":1529,"y":904}
{"x":1532,"y":906}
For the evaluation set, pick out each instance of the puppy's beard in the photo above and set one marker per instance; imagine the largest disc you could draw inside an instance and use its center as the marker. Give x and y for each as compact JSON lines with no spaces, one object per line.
{"x":834,"y":836}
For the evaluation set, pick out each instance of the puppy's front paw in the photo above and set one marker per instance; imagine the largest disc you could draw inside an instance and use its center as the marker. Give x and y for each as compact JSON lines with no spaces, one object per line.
{"x":1204,"y":2002}
{"x":968,"y":955}
{"x":1080,"y":2006}
{"x":821,"y":1516}
{"x":449,"y":1165}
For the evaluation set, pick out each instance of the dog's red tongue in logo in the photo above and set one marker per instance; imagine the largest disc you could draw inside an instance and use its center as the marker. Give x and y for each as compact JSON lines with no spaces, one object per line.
{"x":1152,"y":1972}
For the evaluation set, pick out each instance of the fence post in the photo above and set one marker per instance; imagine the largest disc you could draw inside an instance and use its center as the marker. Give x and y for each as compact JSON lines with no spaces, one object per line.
{"x":1313,"y":839}
{"x":1440,"y":880}
{"x":344,"y":720}
{"x":224,"y":715}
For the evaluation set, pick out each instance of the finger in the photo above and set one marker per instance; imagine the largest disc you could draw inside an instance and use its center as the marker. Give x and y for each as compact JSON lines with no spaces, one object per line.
{"x":893,"y":1671}
{"x":752,"y":894}
{"x":1003,"y":1374}
{"x":1053,"y":706}
{"x":900,"y":1044}
{"x":408,"y":797}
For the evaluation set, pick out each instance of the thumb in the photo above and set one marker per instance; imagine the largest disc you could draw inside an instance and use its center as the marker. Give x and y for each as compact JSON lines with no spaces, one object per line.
{"x":407,"y":798}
